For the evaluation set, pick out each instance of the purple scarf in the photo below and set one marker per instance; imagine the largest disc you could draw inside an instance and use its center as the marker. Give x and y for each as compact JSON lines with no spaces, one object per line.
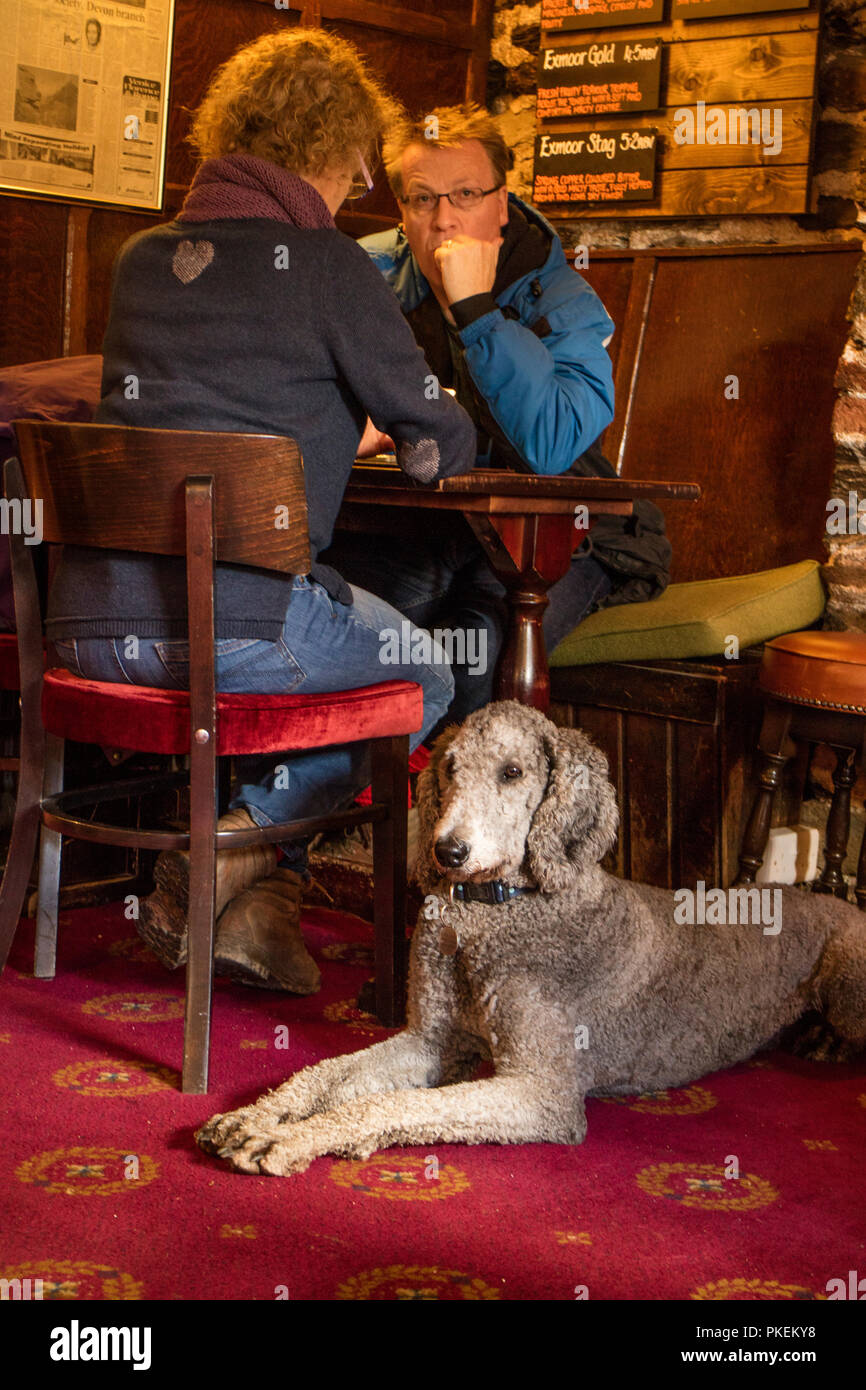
{"x":242,"y":185}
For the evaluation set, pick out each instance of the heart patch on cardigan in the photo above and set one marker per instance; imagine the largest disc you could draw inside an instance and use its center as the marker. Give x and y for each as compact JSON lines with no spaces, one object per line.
{"x":191,"y":258}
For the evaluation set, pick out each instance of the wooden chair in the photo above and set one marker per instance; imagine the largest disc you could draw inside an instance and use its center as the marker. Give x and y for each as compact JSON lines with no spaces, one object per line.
{"x":814,"y":685}
{"x":205,"y":496}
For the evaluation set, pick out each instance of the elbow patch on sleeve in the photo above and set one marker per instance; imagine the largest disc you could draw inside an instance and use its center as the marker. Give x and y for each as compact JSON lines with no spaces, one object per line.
{"x":420,"y":460}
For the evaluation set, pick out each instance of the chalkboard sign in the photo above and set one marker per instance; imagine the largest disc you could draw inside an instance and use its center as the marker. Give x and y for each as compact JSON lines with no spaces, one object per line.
{"x":599,"y":14}
{"x":712,"y":9}
{"x":597,"y":78}
{"x":595,"y":166}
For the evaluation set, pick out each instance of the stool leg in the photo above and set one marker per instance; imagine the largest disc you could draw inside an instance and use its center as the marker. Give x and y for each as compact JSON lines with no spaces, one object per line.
{"x":390,"y":760}
{"x":860,"y":890}
{"x":775,"y":748}
{"x":50,"y":850}
{"x":838,"y":823}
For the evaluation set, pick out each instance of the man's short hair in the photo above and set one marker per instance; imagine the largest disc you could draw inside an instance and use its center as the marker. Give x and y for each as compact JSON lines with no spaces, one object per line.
{"x":443,"y":128}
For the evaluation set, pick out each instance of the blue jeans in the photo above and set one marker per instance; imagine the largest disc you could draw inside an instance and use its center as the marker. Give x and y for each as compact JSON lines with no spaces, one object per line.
{"x":448,"y":583}
{"x":325,"y":646}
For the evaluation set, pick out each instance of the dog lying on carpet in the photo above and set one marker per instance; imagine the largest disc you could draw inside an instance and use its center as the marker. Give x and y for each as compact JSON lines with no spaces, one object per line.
{"x":573,"y":982}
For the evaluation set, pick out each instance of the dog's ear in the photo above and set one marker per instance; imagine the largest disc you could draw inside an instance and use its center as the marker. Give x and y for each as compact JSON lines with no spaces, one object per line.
{"x":575,"y":824}
{"x":425,"y":873}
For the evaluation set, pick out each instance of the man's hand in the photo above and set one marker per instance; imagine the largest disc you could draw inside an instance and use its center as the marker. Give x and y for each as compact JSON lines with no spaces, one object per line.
{"x":374,"y":442}
{"x":467,"y":266}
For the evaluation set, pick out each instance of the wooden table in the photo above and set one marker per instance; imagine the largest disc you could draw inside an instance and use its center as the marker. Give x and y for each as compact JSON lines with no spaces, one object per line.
{"x":528,"y":525}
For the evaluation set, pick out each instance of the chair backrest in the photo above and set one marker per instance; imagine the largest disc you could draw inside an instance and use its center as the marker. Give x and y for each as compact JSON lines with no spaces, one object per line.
{"x":120,"y":488}
{"x":237,"y":498}
{"x":698,"y":392}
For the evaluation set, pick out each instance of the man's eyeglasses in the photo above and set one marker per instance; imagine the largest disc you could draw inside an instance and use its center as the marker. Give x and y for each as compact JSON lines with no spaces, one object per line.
{"x":361,"y":183}
{"x":461,"y":198}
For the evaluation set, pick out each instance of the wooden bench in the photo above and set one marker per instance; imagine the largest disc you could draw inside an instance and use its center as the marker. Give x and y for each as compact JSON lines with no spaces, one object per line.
{"x":767,"y":325}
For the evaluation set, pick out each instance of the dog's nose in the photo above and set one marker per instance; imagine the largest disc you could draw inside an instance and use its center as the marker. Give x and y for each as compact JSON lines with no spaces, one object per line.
{"x":451,"y":852}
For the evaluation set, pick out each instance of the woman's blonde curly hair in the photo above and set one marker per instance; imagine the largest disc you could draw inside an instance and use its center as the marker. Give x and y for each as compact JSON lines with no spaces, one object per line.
{"x":301,"y":98}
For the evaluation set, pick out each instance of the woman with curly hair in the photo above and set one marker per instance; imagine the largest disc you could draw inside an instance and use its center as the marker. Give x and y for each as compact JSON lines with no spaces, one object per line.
{"x":251,"y":312}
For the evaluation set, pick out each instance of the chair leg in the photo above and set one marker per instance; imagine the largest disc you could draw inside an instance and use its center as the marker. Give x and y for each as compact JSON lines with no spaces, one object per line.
{"x":50,"y":849}
{"x":25,"y":829}
{"x":200,"y":931}
{"x":776,"y":748}
{"x":390,"y":759}
{"x":838,"y":824}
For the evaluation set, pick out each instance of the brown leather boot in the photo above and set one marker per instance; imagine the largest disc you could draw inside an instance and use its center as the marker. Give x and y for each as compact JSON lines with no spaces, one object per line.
{"x":161,"y":924}
{"x":162,"y":921}
{"x":259,"y":939}
{"x":236,"y":869}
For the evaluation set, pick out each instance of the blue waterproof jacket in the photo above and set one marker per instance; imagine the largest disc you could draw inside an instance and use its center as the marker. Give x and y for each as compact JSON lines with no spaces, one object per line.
{"x":551,"y":395}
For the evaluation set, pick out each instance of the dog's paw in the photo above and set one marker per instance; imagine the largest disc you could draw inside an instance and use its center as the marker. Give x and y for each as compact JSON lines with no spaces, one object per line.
{"x":221,"y":1129}
{"x":821,"y":1043}
{"x":271,"y":1156}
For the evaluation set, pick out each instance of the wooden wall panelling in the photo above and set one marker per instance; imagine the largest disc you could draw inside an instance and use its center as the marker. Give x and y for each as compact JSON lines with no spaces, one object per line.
{"x":106,"y":233}
{"x":396,"y":60}
{"x":611,"y":278}
{"x":206,"y":33}
{"x":33,"y":260}
{"x":764,"y":61}
{"x":627,"y":365}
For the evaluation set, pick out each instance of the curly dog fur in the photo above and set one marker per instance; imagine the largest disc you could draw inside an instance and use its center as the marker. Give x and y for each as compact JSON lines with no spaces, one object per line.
{"x":587,"y":956}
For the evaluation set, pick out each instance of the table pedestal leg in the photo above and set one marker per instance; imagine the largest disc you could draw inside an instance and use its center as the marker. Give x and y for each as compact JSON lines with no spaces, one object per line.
{"x":528,"y":554}
{"x":523,"y":672}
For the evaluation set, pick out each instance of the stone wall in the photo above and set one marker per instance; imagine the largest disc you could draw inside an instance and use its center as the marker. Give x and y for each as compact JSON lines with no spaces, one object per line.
{"x":845,"y":571}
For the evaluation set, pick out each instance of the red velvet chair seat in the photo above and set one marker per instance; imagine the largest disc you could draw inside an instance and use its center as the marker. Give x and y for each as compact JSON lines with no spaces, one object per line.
{"x":141,"y":718}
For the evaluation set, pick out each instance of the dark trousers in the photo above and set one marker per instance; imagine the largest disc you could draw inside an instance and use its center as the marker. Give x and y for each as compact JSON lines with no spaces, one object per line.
{"x":446,"y":583}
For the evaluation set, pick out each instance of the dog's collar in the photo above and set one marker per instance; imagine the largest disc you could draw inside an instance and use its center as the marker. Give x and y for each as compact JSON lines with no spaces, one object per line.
{"x":493,"y":893}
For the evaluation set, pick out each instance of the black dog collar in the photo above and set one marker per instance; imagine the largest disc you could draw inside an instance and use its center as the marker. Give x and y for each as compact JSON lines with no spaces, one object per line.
{"x":492,"y":893}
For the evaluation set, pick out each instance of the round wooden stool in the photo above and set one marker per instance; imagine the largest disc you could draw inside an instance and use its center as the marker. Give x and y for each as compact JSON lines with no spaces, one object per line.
{"x":815,"y":687}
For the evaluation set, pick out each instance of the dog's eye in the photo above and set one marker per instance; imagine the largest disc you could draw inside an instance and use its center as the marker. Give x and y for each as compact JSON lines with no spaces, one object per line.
{"x":511,"y":771}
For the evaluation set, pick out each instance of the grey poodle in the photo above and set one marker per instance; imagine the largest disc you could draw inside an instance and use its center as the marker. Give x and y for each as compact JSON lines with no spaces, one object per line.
{"x":573,"y":982}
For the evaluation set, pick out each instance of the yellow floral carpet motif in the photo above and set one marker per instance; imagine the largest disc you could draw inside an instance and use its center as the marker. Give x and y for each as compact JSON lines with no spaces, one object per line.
{"x":692,"y":1100}
{"x":88,"y":1172}
{"x":116,"y":1078}
{"x":704,"y":1185}
{"x":74,"y":1280}
{"x":402,"y":1179}
{"x":415,"y":1283}
{"x":137,"y":1006}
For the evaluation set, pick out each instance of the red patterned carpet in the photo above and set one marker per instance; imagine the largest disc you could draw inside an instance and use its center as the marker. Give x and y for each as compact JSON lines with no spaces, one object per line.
{"x":106,"y":1196}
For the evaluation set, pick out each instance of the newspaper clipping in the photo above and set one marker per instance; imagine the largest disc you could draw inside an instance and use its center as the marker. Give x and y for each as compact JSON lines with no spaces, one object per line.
{"x":83,"y":98}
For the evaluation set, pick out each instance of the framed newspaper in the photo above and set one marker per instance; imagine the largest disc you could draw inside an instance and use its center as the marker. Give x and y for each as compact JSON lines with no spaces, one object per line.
{"x":84,"y":99}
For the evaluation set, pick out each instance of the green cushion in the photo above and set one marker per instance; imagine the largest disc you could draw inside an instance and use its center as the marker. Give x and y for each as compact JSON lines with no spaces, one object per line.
{"x":698,"y":619}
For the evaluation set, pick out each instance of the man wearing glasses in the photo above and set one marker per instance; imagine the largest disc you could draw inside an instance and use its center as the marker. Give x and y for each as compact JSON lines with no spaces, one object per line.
{"x":521,"y":339}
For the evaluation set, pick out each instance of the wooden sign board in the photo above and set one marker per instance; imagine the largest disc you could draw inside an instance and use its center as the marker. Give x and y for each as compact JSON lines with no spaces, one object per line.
{"x":595,"y":166}
{"x":596,"y":78}
{"x":713,"y":9}
{"x":734,"y":120}
{"x":598,"y":14}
